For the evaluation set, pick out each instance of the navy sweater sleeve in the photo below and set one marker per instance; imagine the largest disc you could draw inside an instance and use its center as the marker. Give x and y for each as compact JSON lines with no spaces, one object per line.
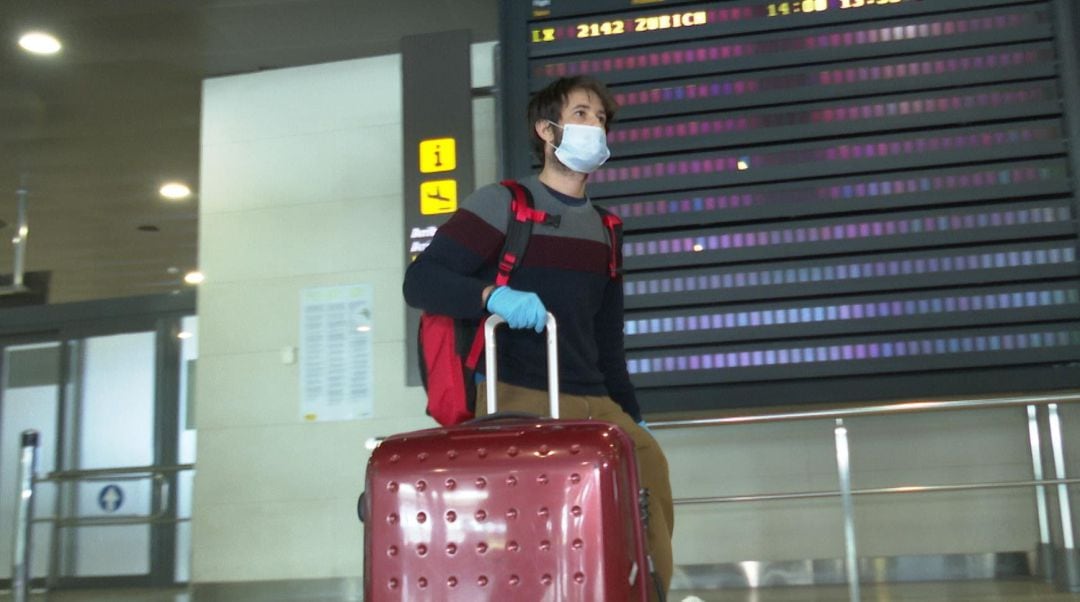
{"x":444,"y":279}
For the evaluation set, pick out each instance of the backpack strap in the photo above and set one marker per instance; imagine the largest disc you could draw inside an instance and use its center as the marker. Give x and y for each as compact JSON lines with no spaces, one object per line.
{"x":613,"y":224}
{"x":523,"y":209}
{"x":523,"y":215}
{"x":519,"y":226}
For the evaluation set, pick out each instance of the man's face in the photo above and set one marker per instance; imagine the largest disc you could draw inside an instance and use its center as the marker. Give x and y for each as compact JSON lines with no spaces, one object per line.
{"x":582,"y":107}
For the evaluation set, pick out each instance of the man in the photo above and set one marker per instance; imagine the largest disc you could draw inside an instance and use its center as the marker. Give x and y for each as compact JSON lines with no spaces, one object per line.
{"x":565,"y":270}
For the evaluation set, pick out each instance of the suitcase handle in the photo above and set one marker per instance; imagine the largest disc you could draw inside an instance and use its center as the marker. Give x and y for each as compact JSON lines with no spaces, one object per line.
{"x":553,"y":362}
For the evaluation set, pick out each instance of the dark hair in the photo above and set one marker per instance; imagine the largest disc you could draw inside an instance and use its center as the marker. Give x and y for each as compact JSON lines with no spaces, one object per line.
{"x":548,"y":103}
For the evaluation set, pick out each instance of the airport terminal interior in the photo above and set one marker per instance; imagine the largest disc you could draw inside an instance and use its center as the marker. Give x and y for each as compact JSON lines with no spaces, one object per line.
{"x":847,"y":270}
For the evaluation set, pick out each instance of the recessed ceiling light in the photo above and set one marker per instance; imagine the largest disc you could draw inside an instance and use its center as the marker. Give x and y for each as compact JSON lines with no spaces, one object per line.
{"x":194,"y":277}
{"x":183,"y":334}
{"x":175,"y":191}
{"x":39,"y":42}
{"x":172,"y":270}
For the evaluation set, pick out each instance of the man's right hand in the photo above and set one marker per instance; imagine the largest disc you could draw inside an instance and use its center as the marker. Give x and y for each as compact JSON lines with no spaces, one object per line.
{"x":520,"y":309}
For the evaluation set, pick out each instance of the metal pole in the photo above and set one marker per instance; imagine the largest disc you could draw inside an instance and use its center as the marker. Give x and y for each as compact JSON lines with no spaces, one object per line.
{"x":1045,"y":551}
{"x":20,"y":569}
{"x":22,"y":230}
{"x":1069,"y":576}
{"x":843,"y":466}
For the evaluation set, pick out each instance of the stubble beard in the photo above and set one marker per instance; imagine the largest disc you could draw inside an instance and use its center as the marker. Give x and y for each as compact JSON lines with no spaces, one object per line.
{"x":553,"y":161}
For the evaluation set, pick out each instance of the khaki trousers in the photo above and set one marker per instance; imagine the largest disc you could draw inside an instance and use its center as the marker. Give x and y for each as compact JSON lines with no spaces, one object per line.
{"x":652,"y":464}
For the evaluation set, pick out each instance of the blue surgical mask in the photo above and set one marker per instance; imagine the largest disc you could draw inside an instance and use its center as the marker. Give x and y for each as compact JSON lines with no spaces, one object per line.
{"x":583,"y":147}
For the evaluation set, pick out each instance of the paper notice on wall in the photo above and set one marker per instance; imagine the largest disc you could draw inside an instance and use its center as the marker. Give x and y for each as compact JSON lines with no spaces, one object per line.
{"x":336,"y":360}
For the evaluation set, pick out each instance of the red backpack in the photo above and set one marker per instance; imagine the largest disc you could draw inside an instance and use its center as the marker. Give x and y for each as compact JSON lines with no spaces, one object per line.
{"x":450,"y":348}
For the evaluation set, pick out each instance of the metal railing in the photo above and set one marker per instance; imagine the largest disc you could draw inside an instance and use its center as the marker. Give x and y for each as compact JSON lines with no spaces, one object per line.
{"x":1070,"y":570}
{"x":20,"y":573}
{"x":157,"y":474}
{"x":160,"y":510}
{"x":846,"y":493}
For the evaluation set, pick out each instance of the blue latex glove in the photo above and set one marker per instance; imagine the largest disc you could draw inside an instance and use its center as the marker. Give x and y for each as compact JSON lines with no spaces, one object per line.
{"x":520,"y":309}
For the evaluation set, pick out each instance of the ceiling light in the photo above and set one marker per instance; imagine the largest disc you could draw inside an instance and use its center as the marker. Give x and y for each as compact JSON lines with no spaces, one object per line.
{"x":184,"y":335}
{"x":175,"y":191}
{"x":194,"y":277}
{"x":39,"y":42}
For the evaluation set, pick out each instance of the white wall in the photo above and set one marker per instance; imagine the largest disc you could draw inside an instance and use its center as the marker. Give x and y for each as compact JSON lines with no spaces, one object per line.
{"x":301,"y":186}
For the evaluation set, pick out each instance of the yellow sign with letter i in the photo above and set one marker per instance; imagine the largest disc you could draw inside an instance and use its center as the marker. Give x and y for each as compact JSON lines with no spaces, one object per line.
{"x":438,"y":154}
{"x":438,"y":196}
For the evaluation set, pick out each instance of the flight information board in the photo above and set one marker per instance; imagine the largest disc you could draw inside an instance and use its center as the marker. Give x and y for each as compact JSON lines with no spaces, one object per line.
{"x":827,"y":200}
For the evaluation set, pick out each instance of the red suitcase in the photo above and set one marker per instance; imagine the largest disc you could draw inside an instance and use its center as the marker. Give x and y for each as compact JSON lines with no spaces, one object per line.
{"x":505,"y":508}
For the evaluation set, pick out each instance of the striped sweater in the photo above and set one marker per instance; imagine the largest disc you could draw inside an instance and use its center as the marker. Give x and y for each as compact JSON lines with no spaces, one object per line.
{"x":567,"y":266}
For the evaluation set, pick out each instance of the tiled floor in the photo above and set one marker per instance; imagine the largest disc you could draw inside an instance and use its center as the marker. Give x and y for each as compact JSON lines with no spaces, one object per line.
{"x":982,"y":591}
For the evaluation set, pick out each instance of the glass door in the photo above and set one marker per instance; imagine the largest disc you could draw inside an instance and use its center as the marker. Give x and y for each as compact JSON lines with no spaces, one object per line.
{"x":111,"y":409}
{"x":29,"y":390}
{"x":110,"y":419}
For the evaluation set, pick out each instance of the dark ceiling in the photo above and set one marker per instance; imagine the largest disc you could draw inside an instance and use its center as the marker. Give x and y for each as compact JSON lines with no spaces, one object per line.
{"x":92,"y":133}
